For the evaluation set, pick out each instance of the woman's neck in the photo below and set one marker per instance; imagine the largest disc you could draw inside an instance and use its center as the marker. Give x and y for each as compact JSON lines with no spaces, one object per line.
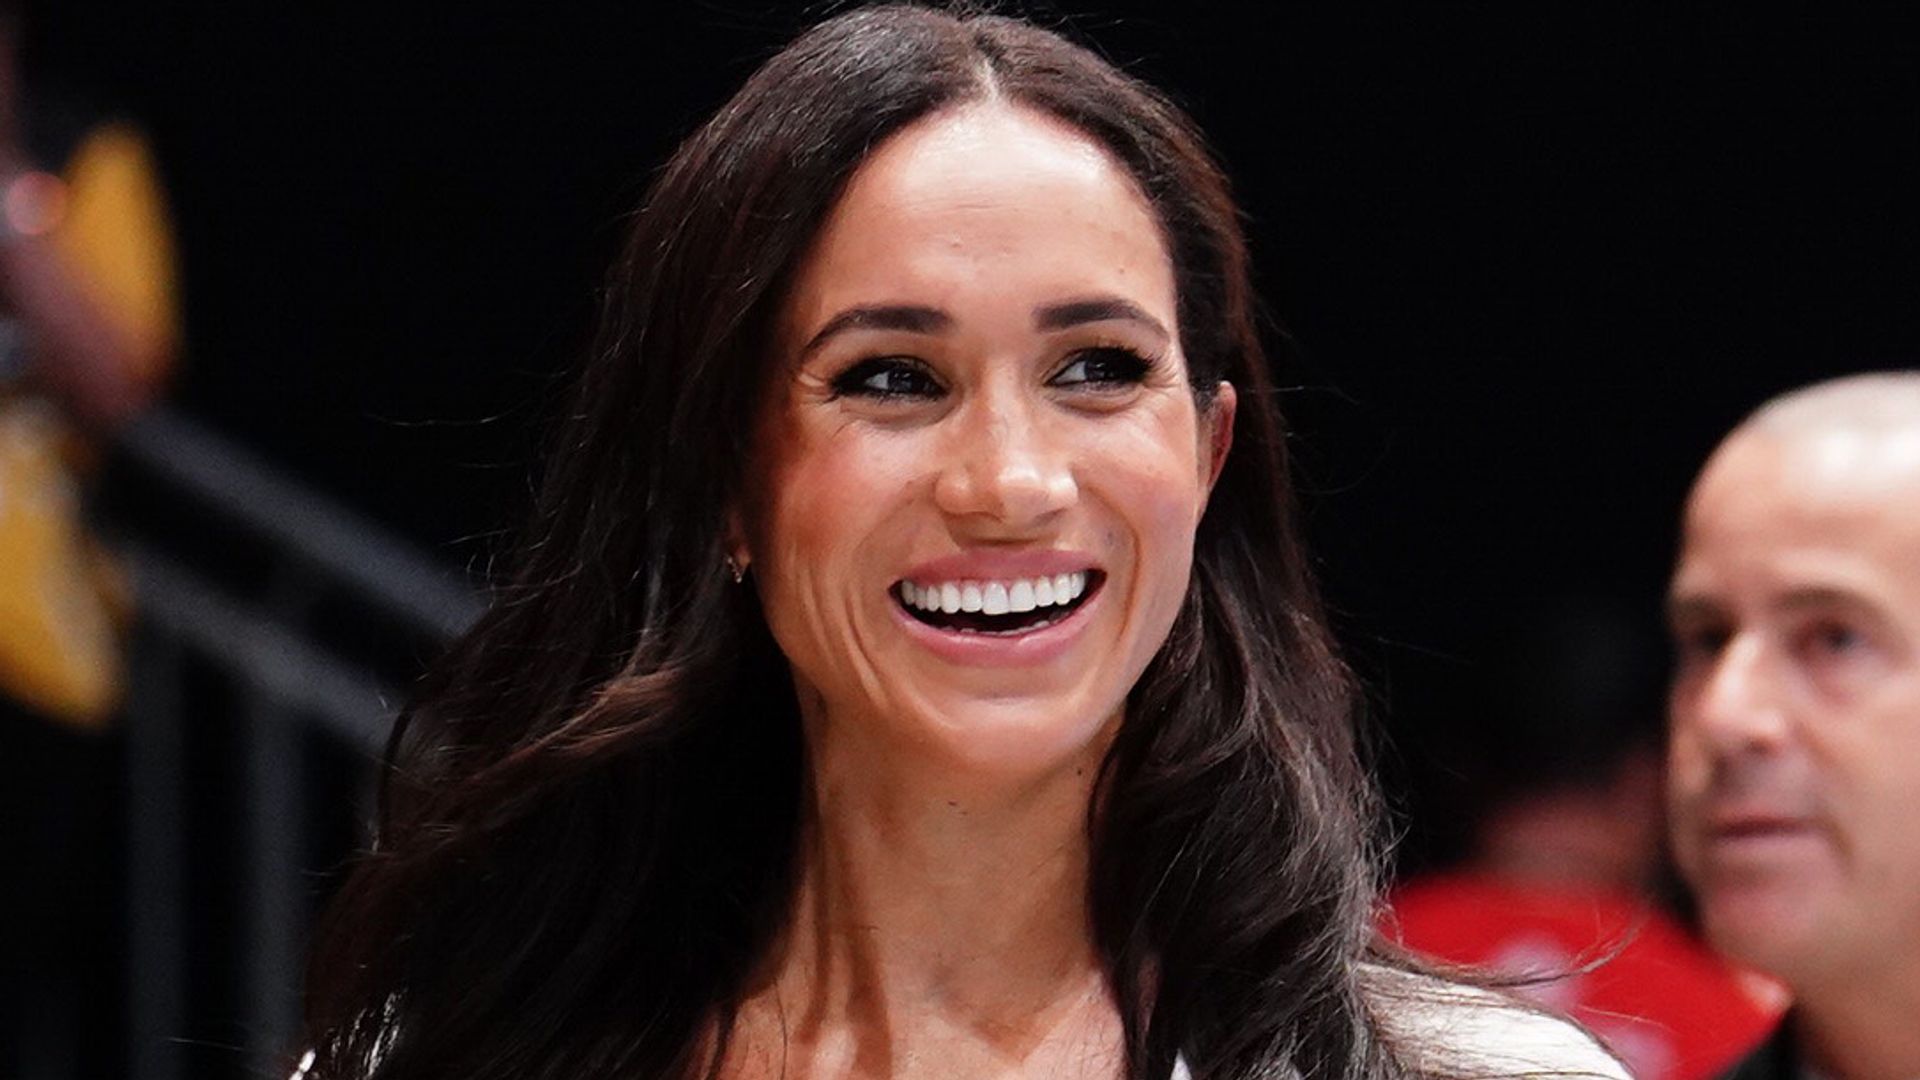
{"x":940,"y":929}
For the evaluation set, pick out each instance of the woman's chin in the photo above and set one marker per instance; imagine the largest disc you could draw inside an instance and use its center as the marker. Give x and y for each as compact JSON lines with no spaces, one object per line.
{"x":1016,"y":741}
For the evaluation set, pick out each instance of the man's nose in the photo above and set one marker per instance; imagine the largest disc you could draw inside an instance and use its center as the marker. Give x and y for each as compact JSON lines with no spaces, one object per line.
{"x":1739,"y":705}
{"x":1007,"y":465}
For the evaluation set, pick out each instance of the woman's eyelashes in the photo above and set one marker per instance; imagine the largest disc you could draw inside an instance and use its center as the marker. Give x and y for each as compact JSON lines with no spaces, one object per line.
{"x":887,"y":378}
{"x":1107,"y":367}
{"x":896,"y":378}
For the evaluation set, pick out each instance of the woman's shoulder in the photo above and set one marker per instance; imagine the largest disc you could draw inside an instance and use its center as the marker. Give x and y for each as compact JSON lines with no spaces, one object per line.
{"x":1444,"y":1028}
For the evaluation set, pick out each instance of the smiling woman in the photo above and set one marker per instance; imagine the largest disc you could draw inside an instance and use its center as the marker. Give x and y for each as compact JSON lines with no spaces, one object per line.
{"x":912,"y":670}
{"x":979,"y":390}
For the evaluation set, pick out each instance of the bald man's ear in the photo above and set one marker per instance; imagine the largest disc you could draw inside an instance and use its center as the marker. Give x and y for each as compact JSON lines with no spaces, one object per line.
{"x":1216,"y":429}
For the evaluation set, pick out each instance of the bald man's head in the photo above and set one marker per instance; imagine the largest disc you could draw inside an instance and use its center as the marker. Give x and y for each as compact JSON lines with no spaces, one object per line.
{"x":1855,"y":436}
{"x":1879,"y":401}
{"x":1795,"y":710}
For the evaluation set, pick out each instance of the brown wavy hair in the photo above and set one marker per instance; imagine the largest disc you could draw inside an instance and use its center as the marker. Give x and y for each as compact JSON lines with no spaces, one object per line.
{"x":586,"y":838}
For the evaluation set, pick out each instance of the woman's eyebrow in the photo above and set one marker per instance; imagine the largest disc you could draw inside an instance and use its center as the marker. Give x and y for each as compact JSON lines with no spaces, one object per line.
{"x":911,"y":318}
{"x":1071,"y":313}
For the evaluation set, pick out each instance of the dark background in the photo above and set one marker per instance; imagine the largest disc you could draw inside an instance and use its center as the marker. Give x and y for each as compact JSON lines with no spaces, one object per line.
{"x":1532,"y":260}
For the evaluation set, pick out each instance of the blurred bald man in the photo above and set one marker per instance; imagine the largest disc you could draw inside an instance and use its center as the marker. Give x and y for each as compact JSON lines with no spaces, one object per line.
{"x":1795,"y":719}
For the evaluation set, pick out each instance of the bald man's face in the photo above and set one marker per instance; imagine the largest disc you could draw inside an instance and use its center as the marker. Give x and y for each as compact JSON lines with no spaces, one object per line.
{"x":1795,"y":738}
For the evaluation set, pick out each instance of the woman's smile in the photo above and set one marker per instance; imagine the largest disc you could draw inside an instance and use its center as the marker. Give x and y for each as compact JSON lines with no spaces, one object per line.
{"x":996,"y":608}
{"x":999,"y":608}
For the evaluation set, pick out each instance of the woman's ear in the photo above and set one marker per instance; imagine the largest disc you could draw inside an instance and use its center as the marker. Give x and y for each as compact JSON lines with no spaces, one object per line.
{"x":734,"y":538}
{"x":1216,"y":430}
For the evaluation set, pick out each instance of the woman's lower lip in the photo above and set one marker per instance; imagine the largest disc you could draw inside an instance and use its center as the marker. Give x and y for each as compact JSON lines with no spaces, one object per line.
{"x":1036,"y":646}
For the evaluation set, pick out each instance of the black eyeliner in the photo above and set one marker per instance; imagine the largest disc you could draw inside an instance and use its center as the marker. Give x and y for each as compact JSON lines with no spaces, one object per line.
{"x":1135,"y":365}
{"x":851,"y":381}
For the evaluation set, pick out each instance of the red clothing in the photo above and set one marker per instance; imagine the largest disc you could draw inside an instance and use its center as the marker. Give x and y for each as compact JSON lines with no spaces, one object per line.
{"x":1670,"y":1008}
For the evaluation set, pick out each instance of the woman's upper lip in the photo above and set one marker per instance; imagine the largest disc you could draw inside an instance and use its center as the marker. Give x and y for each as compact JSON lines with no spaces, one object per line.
{"x":988,"y":565}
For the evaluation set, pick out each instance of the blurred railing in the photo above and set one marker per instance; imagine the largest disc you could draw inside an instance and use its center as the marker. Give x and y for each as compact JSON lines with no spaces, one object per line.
{"x":273,"y":630}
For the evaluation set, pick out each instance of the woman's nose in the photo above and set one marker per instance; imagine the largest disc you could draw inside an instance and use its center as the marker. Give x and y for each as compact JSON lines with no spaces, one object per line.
{"x":1006,"y":466}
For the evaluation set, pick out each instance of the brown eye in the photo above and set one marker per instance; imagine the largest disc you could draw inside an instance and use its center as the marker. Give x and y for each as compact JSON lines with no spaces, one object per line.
{"x":1699,"y":644}
{"x":1110,"y":367}
{"x":1837,"y":654}
{"x":1700,"y":640}
{"x":887,"y":378}
{"x":1834,"y":638}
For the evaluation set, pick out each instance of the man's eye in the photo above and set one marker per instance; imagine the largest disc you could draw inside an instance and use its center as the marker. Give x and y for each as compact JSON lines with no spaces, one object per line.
{"x":886,"y":378}
{"x":1834,"y":638}
{"x":1109,"y":367}
{"x":1699,"y":643}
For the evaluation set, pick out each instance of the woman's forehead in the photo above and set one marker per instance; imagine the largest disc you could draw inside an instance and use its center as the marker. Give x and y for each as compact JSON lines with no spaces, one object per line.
{"x":985,"y":201}
{"x":978,"y":149}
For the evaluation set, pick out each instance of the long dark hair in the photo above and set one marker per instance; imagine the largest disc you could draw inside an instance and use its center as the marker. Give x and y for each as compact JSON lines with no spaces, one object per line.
{"x":587,"y":829}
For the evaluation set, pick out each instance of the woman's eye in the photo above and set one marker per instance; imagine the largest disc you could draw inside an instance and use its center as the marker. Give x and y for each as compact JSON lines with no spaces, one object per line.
{"x":1108,"y":368}
{"x":886,"y":378}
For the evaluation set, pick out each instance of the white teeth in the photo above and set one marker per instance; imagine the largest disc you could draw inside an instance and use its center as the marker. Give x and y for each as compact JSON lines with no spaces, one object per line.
{"x":995,"y":597}
{"x":1020,"y":597}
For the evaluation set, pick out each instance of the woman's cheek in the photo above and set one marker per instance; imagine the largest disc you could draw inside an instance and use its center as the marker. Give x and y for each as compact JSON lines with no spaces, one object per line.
{"x":838,"y":492}
{"x":1156,"y":509}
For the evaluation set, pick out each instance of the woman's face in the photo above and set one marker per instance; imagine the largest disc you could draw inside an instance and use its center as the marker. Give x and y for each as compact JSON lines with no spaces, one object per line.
{"x":980,"y":466}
